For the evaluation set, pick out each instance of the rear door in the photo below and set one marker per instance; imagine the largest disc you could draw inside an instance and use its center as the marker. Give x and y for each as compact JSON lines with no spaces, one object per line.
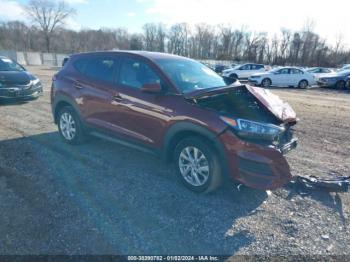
{"x":96,"y":91}
{"x":296,"y":76}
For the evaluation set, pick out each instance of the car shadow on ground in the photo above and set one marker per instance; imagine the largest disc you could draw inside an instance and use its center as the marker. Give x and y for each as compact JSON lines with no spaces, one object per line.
{"x":131,"y":199}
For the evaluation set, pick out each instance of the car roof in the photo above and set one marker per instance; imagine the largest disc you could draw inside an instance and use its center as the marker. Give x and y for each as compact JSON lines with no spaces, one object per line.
{"x":146,"y":54}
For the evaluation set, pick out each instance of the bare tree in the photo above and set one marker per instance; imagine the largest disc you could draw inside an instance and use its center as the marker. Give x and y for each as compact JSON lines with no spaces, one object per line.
{"x":48,"y":15}
{"x":202,"y":41}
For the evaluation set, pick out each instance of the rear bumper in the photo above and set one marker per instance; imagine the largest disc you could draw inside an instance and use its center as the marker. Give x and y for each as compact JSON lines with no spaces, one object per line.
{"x":21,"y":94}
{"x":254,"y":165}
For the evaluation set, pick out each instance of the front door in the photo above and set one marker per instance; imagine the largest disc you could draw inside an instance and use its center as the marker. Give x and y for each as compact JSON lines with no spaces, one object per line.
{"x":141,"y":115}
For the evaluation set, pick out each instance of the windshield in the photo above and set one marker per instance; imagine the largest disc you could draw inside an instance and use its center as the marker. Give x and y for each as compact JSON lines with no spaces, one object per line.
{"x":189,"y":75}
{"x":312,"y":70}
{"x":7,"y":64}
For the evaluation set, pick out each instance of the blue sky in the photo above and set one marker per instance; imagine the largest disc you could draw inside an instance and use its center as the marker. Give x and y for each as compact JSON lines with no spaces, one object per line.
{"x":330,"y":18}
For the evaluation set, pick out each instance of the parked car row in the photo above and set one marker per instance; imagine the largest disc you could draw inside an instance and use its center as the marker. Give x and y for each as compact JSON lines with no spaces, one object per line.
{"x":262,"y":75}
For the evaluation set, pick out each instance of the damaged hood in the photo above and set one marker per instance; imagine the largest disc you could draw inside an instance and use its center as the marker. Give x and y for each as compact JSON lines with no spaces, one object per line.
{"x":280,"y":109}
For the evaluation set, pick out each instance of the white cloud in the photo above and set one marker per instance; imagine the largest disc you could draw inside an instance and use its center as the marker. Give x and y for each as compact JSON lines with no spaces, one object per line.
{"x":11,"y":10}
{"x":258,"y":15}
{"x":131,"y":14}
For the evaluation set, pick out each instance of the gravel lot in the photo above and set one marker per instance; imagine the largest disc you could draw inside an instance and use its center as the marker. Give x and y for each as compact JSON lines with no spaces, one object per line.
{"x":103,"y":198}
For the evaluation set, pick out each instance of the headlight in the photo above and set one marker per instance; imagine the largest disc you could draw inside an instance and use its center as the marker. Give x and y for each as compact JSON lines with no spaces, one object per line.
{"x":36,"y":82}
{"x":253,"y":130}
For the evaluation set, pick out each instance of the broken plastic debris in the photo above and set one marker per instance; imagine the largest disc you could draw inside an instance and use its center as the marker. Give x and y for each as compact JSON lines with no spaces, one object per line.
{"x":337,"y":184}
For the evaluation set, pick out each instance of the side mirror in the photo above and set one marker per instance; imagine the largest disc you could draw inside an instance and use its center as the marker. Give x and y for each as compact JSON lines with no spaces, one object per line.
{"x":153,"y":88}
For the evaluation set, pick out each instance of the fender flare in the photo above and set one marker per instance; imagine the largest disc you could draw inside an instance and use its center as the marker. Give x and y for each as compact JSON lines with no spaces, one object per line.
{"x":63,"y":98}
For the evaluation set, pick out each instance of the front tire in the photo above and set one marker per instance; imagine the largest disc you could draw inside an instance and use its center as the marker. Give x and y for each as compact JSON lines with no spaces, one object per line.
{"x":197,"y":165}
{"x":70,"y":127}
{"x":340,"y":85}
{"x":266,"y":83}
{"x":303,"y":84}
{"x":235,"y":76}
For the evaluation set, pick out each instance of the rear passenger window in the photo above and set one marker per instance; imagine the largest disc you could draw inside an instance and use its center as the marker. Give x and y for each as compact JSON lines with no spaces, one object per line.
{"x":101,"y":69}
{"x":296,"y":71}
{"x":135,"y":73}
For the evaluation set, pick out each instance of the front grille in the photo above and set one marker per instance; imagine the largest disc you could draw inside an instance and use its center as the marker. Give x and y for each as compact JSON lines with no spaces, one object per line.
{"x":254,"y":167}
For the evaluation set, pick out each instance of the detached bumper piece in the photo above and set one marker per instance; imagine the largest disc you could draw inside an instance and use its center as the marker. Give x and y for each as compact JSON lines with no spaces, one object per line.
{"x":338,"y":184}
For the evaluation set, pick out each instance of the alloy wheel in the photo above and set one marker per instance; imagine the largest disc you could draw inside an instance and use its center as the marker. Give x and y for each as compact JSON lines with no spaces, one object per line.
{"x":67,"y":126}
{"x":194,"y":166}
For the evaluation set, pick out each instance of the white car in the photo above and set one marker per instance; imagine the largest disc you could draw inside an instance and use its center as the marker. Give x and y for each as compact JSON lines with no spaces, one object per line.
{"x":243,"y":71}
{"x":319,"y":71}
{"x":285,"y":76}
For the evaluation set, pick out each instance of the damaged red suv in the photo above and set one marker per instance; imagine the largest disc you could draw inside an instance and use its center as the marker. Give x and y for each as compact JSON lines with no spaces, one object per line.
{"x":179,"y":109}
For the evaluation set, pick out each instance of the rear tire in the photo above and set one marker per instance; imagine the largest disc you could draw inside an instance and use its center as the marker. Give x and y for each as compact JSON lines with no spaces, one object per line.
{"x":197,"y":165}
{"x":303,"y":84}
{"x":70,"y":127}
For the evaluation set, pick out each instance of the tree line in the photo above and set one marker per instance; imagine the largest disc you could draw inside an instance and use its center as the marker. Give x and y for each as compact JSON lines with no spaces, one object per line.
{"x":200,"y":41}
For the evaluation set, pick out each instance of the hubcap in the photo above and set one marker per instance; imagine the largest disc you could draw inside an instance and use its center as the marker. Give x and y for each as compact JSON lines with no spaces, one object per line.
{"x":67,"y":126}
{"x":303,"y":84}
{"x":194,"y":166}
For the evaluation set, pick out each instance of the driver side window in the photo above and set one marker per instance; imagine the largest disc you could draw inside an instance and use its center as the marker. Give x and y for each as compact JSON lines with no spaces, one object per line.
{"x":136,"y":73}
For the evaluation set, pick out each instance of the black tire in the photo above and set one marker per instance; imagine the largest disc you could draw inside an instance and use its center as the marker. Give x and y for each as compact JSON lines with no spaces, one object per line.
{"x":235,"y":76}
{"x":303,"y":84}
{"x":79,"y":136}
{"x":340,"y":85}
{"x":266,"y":82}
{"x":215,"y":174}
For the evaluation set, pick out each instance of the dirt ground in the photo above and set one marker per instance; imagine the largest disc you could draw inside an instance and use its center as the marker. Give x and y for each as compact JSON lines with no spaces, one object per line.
{"x":103,"y":198}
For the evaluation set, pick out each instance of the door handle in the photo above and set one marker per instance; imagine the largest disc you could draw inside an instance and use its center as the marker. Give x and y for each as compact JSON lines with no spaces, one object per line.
{"x":78,"y":85}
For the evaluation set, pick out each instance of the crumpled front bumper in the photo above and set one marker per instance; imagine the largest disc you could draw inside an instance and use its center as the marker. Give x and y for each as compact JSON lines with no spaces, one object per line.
{"x":254,"y":165}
